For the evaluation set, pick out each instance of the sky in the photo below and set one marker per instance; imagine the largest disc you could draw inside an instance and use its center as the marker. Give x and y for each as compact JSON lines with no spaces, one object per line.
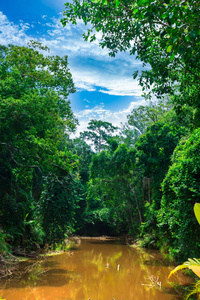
{"x":105,"y":88}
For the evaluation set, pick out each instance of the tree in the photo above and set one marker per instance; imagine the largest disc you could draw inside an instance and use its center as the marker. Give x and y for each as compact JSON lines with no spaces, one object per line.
{"x":192,"y":264}
{"x":35,"y":120}
{"x":144,"y":116}
{"x":113,"y":191}
{"x":128,"y":134}
{"x":164,"y":34}
{"x":58,"y":205}
{"x":180,"y":192}
{"x":153,"y":158}
{"x":84,"y":153}
{"x":99,"y":132}
{"x":35,"y":113}
{"x":153,"y":152}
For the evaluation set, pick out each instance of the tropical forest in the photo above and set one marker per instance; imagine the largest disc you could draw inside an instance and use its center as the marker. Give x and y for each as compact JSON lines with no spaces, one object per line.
{"x":139,"y":181}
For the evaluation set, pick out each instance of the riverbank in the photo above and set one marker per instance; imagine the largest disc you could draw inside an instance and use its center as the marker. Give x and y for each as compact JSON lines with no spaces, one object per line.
{"x":103,"y":262}
{"x":9,"y":263}
{"x":75,"y":243}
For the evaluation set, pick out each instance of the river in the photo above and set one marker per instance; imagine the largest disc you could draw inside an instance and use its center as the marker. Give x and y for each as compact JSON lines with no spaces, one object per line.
{"x":96,"y":269}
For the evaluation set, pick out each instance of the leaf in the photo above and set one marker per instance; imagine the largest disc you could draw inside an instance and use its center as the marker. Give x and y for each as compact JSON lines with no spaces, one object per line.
{"x":142,"y":2}
{"x":135,"y":11}
{"x":164,"y":16}
{"x":117,"y":3}
{"x":192,"y":264}
{"x":197,"y":211}
{"x":169,"y":48}
{"x":172,"y":56}
{"x":187,"y":38}
{"x":196,"y":270}
{"x":180,"y":267}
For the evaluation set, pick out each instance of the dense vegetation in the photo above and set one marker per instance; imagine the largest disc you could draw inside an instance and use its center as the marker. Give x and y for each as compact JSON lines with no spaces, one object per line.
{"x":35,"y":165}
{"x":143,"y":179}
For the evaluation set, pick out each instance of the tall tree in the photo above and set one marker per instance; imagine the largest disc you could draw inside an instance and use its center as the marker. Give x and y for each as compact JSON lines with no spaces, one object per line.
{"x":99,"y":133}
{"x":164,"y":34}
{"x":144,"y":116}
{"x":84,"y":153}
{"x":153,"y":152}
{"x":113,"y":191}
{"x":181,"y":191}
{"x":35,"y":120}
{"x":153,"y":158}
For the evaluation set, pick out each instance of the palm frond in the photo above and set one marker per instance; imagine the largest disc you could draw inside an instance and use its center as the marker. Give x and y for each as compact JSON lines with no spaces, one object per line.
{"x":192,"y":264}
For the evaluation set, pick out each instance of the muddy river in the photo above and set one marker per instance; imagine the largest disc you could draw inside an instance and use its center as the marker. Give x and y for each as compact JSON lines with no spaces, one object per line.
{"x":96,"y":270}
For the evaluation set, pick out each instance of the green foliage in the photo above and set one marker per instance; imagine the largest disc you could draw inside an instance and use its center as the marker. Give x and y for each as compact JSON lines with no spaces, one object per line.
{"x":192,"y":264}
{"x":98,"y":216}
{"x":84,"y":154}
{"x":164,"y":35}
{"x":180,"y":192}
{"x":148,"y":229}
{"x":128,"y":135}
{"x":154,"y":150}
{"x":194,"y":291}
{"x":3,"y":245}
{"x":51,"y":186}
{"x":58,"y":204}
{"x":35,"y":121}
{"x":153,"y":158}
{"x":144,"y":116}
{"x":112,"y":190}
{"x":98,"y":133}
{"x":34,"y":113}
{"x":197,"y":212}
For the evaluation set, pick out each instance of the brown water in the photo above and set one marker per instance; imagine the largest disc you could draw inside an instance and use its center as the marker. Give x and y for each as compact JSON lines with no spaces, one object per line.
{"x":96,"y":270}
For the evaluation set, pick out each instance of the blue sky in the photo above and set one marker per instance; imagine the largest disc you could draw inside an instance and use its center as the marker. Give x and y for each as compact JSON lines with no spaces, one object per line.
{"x":105,"y":87}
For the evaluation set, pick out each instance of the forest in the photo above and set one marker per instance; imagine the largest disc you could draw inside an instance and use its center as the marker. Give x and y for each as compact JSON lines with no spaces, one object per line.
{"x":141,"y":180}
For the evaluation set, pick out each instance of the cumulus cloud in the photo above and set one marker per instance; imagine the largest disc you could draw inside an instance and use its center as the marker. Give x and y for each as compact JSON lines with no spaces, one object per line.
{"x":103,"y":73}
{"x":91,"y":67}
{"x":99,"y":112}
{"x":108,"y":82}
{"x":12,"y":33}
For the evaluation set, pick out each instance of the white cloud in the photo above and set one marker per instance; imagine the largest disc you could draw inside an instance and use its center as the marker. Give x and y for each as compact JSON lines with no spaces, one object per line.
{"x":105,"y":75}
{"x":12,"y":33}
{"x":100,"y":113}
{"x":91,"y":67}
{"x":112,"y":76}
{"x":108,"y":82}
{"x":87,"y":101}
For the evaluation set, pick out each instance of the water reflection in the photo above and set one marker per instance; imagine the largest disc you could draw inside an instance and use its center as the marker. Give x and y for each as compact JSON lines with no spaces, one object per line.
{"x":100,"y":270}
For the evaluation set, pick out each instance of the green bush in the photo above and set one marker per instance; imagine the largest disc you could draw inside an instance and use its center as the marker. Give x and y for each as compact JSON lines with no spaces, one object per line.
{"x":181,"y":189}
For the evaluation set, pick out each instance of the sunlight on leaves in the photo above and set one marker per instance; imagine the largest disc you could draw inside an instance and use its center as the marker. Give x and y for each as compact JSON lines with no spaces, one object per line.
{"x":192,"y":264}
{"x":197,"y":211}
